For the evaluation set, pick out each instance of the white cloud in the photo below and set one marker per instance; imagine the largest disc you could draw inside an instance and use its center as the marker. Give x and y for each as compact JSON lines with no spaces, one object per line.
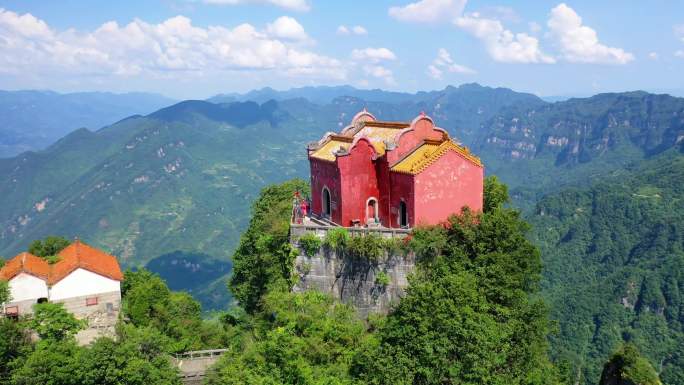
{"x":356,"y":30}
{"x":679,"y":31}
{"x":29,"y":46}
{"x":428,"y":11}
{"x":292,"y":5}
{"x":359,"y":30}
{"x":343,"y":30}
{"x":653,"y":55}
{"x":679,"y":53}
{"x":380,"y":72}
{"x":373,"y":55}
{"x":579,"y":43}
{"x":502,"y":44}
{"x":534,"y":27}
{"x":444,"y":62}
{"x":286,"y":27}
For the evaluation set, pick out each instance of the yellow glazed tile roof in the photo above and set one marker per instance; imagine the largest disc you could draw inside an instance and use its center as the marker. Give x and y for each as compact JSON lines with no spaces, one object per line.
{"x":378,"y":136}
{"x":427,"y":154}
{"x":327,"y":151}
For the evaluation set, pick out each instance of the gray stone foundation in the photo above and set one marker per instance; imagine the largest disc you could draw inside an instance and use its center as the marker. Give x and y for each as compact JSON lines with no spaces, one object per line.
{"x":353,"y":280}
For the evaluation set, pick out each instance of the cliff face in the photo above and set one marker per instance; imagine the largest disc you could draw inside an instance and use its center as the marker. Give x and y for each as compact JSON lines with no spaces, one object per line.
{"x":370,"y":286}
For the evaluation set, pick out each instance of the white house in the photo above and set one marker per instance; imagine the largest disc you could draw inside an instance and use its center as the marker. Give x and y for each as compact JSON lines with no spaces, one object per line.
{"x":86,"y":280}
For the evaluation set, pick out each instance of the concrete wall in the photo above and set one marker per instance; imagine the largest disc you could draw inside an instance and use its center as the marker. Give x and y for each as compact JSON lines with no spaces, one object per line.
{"x":25,"y":287}
{"x":352,"y":280}
{"x":82,"y":283}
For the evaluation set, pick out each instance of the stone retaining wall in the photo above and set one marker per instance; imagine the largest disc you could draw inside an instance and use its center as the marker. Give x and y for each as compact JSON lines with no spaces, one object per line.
{"x":353,"y":280}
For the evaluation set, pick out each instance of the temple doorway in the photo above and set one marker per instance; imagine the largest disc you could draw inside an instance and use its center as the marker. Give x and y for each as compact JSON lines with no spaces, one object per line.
{"x":372,"y":211}
{"x":403,"y":214}
{"x":326,"y":202}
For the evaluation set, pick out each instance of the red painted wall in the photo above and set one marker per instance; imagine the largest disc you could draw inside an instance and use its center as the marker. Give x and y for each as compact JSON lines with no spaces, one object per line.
{"x":402,"y":189}
{"x":325,"y":174}
{"x":359,"y":182}
{"x":446,"y":186}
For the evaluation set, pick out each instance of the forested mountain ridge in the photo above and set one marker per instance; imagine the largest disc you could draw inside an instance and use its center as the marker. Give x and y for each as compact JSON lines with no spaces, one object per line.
{"x":614,"y":267}
{"x":32,"y":120}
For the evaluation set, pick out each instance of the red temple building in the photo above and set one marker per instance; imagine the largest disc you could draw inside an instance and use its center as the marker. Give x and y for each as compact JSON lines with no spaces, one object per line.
{"x":392,"y":174}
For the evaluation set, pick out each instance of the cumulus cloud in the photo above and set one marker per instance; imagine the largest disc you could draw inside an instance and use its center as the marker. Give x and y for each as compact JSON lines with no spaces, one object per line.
{"x":380,"y":72}
{"x":679,"y":31}
{"x":579,"y":43}
{"x":502,"y":44}
{"x":444,"y":62}
{"x":679,"y":53}
{"x":286,"y":27}
{"x":292,"y":5}
{"x":374,"y":55}
{"x":29,"y":46}
{"x":653,"y":55}
{"x":356,"y":30}
{"x":428,"y":11}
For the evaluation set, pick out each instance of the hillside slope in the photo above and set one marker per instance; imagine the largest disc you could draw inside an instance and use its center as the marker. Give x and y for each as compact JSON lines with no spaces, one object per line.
{"x":614,"y":267}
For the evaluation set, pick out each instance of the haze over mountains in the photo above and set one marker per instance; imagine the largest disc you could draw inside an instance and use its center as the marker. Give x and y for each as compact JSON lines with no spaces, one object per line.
{"x":172,"y":190}
{"x":32,"y":120}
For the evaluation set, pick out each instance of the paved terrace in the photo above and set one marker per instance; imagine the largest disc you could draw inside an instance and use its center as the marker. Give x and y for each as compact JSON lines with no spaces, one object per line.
{"x":193,"y":365}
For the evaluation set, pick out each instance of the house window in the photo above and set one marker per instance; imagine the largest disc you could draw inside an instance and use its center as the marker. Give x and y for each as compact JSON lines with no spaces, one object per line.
{"x":42,"y":300}
{"x":12,"y":310}
{"x":326,"y":202}
{"x":403,"y":214}
{"x":91,"y":301}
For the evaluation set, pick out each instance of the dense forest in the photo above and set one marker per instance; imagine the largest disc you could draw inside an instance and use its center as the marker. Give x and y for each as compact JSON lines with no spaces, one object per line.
{"x":614,"y":267}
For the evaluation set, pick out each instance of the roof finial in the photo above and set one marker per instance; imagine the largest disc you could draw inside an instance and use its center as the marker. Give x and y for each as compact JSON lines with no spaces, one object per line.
{"x":364,"y":109}
{"x":422,"y":113}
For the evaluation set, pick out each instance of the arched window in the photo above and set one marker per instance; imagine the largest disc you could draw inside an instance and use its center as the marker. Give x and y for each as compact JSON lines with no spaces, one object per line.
{"x":372,"y":211}
{"x":403,"y":214}
{"x":326,"y":202}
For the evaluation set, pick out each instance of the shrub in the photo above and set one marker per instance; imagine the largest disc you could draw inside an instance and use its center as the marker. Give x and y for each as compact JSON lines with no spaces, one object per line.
{"x":369,"y":246}
{"x":336,"y":239}
{"x":394,"y":246}
{"x":310,"y":244}
{"x":382,"y":279}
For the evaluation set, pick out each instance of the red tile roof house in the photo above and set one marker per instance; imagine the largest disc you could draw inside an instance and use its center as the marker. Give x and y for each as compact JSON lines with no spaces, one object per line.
{"x":86,"y":280}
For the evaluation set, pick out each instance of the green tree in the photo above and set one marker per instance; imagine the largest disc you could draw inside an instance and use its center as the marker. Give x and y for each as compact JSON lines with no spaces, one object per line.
{"x":628,"y":367}
{"x":52,"y":362}
{"x":49,"y":247}
{"x":469,"y":316}
{"x":264,"y":258}
{"x":138,"y":359}
{"x":14,"y":343}
{"x":148,"y":302}
{"x":302,"y":338}
{"x":496,"y":194}
{"x":52,"y":322}
{"x":4,"y":292}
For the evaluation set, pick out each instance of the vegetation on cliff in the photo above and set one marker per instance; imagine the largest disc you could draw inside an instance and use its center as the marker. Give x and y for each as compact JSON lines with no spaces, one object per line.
{"x":628,"y":367}
{"x":471,"y":313}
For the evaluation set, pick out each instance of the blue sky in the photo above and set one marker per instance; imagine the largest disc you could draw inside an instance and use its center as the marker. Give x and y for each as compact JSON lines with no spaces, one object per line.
{"x":197,"y":48}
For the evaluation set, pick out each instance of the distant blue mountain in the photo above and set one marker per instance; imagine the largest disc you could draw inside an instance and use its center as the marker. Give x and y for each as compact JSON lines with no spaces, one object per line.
{"x":32,"y":120}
